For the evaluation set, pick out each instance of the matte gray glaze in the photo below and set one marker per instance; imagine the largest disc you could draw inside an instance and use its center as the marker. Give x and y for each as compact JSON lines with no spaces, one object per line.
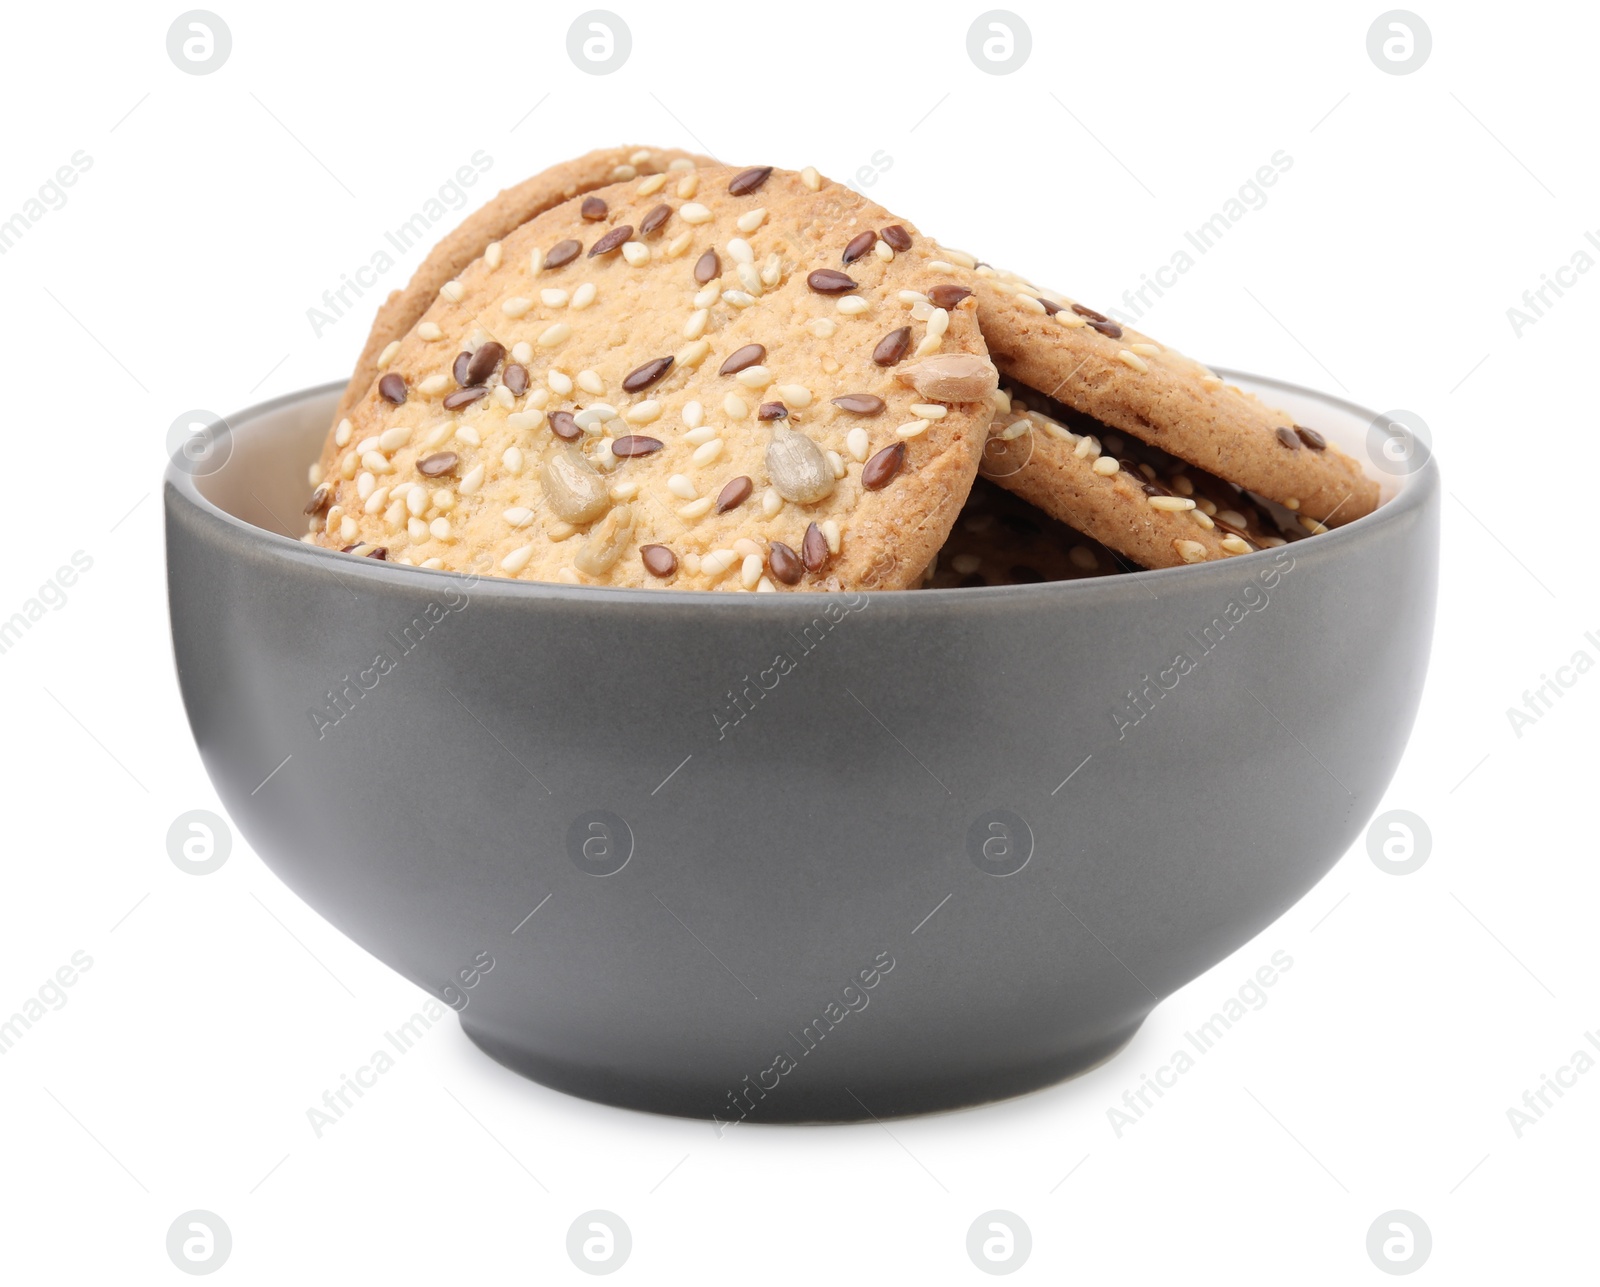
{"x":522,"y":738}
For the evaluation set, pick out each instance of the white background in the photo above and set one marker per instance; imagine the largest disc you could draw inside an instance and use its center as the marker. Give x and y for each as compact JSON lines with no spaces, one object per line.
{"x":177,"y":275}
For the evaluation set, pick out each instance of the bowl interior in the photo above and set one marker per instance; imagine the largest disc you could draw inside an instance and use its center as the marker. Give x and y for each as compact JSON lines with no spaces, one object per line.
{"x":263,"y":480}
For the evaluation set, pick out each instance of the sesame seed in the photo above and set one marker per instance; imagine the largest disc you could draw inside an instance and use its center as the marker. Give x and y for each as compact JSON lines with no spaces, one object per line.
{"x":559,"y":531}
{"x":518,"y":515}
{"x":1312,"y":525}
{"x":439,"y":529}
{"x":365,"y":484}
{"x":417,"y":500}
{"x":429,"y":331}
{"x":941,"y":266}
{"x":681,"y":486}
{"x":831,"y":534}
{"x":511,"y":458}
{"x":491,"y":254}
{"x":694,"y":414}
{"x":376,"y":462}
{"x":851,"y":305}
{"x":517,"y":559}
{"x":1028,"y":304}
{"x":750,"y":220}
{"x":642,"y":413}
{"x":858,"y":443}
{"x":1202,"y":519}
{"x":930,"y":410}
{"x":921,"y":311}
{"x":772,"y":270}
{"x":560,"y":333}
{"x":636,"y":253}
{"x":583,"y":296}
{"x":1190,"y":551}
{"x":754,"y":377}
{"x":568,"y":577}
{"x":1291,"y":502}
{"x":717,"y":562}
{"x":389,"y":350}
{"x":912,"y":429}
{"x":341,"y":435}
{"x":522,"y":352}
{"x":366,"y":445}
{"x":693,"y":354}
{"x":625,"y":490}
{"x":519,"y":305}
{"x":468,"y":435}
{"x":750,"y":571}
{"x":444,"y":500}
{"x":1105,"y":465}
{"x":1011,"y":432}
{"x":696,"y":508}
{"x":706,"y":452}
{"x":589,"y":382}
{"x":594,"y":415}
{"x":735,"y":407}
{"x":652,"y":185}
{"x":740,"y":250}
{"x":530,"y":419}
{"x":836,"y":463}
{"x":1133,"y":360}
{"x":551,"y":297}
{"x":1145,"y":350}
{"x":535,"y":261}
{"x":471,"y":481}
{"x":884,"y":251}
{"x":453,"y":291}
{"x":750,"y":279}
{"x":1170,"y":504}
{"x":416,"y":529}
{"x":1070,"y":319}
{"x":811,"y":178}
{"x":688,"y":186}
{"x":695,"y":327}
{"x":622,"y":173}
{"x":391,"y":440}
{"x":796,"y":395}
{"x":433,"y":384}
{"x":559,"y":381}
{"x":694,"y":212}
{"x":314,"y":474}
{"x":960,"y":256}
{"x":738,"y":298}
{"x":821,"y":327}
{"x":1235,"y":544}
{"x":771,"y":503}
{"x":1271,"y":542}
{"x":1209,"y":383}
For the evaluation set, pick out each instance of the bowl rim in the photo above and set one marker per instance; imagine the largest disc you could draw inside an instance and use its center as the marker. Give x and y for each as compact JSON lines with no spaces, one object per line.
{"x":1417,"y":491}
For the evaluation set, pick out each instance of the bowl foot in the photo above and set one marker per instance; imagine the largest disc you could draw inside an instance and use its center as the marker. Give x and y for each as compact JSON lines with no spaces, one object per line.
{"x":793,"y":1100}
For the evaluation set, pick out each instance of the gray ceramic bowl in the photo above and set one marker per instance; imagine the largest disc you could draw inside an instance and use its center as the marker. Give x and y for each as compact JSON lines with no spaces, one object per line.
{"x":793,"y":857}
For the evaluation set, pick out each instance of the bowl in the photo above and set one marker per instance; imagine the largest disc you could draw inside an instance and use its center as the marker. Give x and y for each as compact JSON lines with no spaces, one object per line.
{"x":792,"y":857}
